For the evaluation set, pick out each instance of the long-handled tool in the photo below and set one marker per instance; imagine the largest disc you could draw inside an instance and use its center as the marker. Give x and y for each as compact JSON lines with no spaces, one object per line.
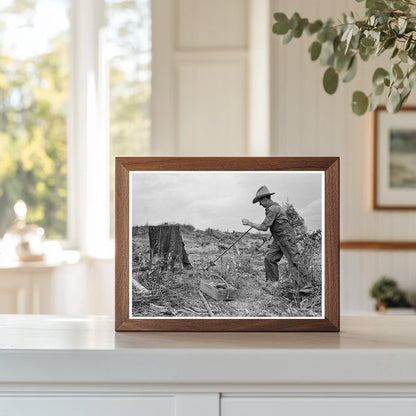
{"x":212,"y":263}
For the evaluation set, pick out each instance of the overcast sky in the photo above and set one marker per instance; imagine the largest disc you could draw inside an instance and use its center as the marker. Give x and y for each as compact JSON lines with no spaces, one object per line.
{"x":221,"y":199}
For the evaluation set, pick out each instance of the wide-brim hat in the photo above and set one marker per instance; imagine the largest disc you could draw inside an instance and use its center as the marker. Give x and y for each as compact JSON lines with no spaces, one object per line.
{"x":261,"y":193}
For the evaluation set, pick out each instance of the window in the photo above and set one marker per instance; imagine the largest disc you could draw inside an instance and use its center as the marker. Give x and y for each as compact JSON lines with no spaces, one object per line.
{"x":129,"y":46}
{"x":75,"y":86}
{"x":33,"y":97}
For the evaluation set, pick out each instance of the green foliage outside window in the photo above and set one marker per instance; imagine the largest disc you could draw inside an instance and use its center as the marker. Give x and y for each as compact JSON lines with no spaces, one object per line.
{"x":33,"y":97}
{"x":34,"y":103}
{"x":129,"y":42}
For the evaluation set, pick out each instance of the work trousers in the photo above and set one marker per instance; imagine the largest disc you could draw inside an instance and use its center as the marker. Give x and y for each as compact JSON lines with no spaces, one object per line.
{"x":283,"y":244}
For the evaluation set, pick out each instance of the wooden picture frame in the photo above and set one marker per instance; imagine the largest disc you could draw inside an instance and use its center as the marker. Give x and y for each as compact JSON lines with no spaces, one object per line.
{"x":147,"y":195}
{"x":394,"y":158}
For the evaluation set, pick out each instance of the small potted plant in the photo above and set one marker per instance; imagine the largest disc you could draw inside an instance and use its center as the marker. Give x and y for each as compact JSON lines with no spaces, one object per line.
{"x":387,"y":294}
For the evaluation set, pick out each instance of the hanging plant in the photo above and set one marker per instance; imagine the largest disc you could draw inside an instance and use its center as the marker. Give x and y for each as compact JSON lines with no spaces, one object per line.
{"x":388,"y":27}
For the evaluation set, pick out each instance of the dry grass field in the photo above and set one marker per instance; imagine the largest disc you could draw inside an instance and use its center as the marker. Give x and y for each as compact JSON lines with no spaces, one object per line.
{"x":175,"y":292}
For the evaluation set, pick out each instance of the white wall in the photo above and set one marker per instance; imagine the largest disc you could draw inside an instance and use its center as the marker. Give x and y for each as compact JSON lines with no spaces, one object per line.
{"x":308,"y":122}
{"x":200,"y":77}
{"x":215,"y":72}
{"x":216,"y":64}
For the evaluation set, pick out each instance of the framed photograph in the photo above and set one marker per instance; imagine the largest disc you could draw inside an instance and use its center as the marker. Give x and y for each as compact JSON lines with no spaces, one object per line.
{"x":227,"y":244}
{"x":394,"y":179}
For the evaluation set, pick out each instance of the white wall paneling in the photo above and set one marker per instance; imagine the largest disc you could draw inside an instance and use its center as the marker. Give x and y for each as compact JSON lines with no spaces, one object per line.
{"x":360,"y":269}
{"x":259,"y":78}
{"x":305,"y":121}
{"x":212,"y":102}
{"x":202,"y":108}
{"x":212,"y":24}
{"x":163,"y":127}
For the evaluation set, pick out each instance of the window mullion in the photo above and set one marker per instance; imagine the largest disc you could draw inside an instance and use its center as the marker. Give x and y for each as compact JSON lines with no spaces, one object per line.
{"x":88,"y":137}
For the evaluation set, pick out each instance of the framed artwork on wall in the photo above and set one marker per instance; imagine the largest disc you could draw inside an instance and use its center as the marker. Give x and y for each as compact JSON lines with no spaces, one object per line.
{"x":227,"y":244}
{"x":394,"y":159}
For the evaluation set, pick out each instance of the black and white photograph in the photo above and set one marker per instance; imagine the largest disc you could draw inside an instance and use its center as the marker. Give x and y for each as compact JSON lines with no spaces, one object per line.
{"x":226,"y":244}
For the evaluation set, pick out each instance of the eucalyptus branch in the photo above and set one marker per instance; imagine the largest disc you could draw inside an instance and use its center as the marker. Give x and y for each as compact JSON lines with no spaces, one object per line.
{"x":388,"y":26}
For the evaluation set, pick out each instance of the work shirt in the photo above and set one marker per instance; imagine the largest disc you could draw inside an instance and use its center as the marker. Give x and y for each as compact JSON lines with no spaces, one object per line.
{"x":275,"y":219}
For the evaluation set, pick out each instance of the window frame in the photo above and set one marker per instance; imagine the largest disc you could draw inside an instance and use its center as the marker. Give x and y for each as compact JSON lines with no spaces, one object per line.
{"x":87,"y":133}
{"x":87,"y":129}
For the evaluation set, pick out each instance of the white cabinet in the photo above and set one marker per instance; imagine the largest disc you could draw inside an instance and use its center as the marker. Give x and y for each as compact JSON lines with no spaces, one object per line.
{"x":88,"y":406}
{"x":271,"y":406}
{"x":80,"y":366}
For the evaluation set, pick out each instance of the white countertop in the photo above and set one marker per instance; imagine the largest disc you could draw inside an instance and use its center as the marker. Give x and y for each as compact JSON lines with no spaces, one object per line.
{"x":46,"y":349}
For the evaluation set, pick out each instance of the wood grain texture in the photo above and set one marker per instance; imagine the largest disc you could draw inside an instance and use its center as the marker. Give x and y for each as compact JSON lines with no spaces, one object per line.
{"x":226,"y":163}
{"x":122,"y":246}
{"x":378,"y":245}
{"x":332,"y":226}
{"x":329,"y":165}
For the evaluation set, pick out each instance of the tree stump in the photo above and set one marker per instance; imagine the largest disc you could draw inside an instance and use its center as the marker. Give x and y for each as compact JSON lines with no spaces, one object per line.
{"x":167,"y":247}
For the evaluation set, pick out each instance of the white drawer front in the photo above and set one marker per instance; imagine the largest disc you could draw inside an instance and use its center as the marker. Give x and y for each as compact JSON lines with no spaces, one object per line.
{"x":272,"y":406}
{"x":87,"y":406}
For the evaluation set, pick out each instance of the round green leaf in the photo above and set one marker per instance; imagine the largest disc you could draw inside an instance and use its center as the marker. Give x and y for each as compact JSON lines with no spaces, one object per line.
{"x":327,"y":54}
{"x":408,"y":42}
{"x":330,"y":80}
{"x":403,"y":96}
{"x":379,"y":75}
{"x":315,"y":50}
{"x":411,"y":77}
{"x":374,"y":102}
{"x":376,"y":4}
{"x":400,"y":5}
{"x":351,"y":71}
{"x":314,"y":27}
{"x":342,"y":61}
{"x":322,"y":36}
{"x":294,"y":20}
{"x":367,"y":42}
{"x":389,"y":43}
{"x":397,"y":71}
{"x":288,"y":37}
{"x":403,"y":56}
{"x":395,"y":52}
{"x":300,"y":25}
{"x":359,"y":103}
{"x":281,"y":26}
{"x":412,"y":52}
{"x":366,"y":53}
{"x":393,"y":101}
{"x":378,"y":90}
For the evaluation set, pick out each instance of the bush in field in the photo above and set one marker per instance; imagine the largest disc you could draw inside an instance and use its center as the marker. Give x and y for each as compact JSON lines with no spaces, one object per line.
{"x":310,"y":243}
{"x":139,"y":230}
{"x":295,"y":220}
{"x":187,"y":228}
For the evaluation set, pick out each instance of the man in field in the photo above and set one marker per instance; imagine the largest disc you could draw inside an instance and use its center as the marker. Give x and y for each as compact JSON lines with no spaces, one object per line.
{"x":284,"y":240}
